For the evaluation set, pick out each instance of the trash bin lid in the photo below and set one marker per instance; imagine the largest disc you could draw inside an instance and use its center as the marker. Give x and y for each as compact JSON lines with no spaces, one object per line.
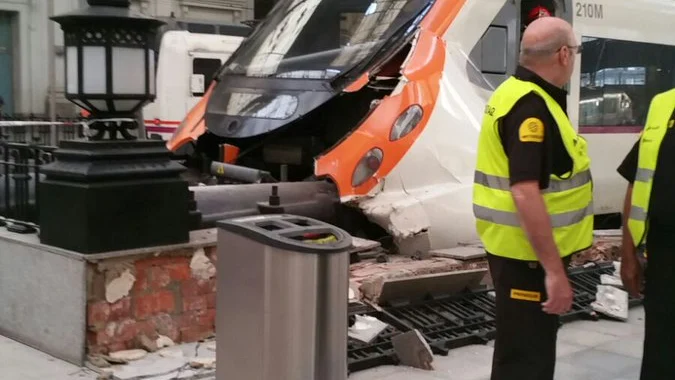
{"x":290,"y":232}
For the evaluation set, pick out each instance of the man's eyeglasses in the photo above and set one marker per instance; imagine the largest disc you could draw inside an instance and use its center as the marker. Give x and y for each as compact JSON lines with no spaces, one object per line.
{"x":578,"y":48}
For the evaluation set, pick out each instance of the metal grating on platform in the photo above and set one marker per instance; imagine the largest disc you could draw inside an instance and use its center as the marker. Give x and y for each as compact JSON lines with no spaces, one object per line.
{"x":458,"y":320}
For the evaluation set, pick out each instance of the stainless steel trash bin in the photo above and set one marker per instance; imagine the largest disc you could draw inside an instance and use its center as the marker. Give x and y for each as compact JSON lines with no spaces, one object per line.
{"x":282,"y":295}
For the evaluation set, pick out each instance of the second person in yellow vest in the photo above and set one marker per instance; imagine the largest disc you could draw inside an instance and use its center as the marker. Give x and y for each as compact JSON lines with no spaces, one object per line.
{"x":649,"y":221}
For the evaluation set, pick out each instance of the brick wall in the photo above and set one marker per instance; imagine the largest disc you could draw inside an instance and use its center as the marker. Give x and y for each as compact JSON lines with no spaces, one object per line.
{"x":173,"y":294}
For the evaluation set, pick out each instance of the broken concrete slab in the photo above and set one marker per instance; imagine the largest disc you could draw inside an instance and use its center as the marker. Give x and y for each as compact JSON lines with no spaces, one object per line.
{"x":419,"y":287}
{"x":363,"y":245}
{"x":412,"y":350}
{"x":370,"y":275}
{"x":460,"y":253}
{"x":128,"y":355}
{"x":417,"y":246}
{"x":612,"y":302}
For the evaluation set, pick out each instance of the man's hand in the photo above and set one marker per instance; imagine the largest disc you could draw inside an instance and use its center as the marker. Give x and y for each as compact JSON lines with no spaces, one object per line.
{"x":560,"y":295}
{"x":537,"y":224}
{"x":631,"y":272}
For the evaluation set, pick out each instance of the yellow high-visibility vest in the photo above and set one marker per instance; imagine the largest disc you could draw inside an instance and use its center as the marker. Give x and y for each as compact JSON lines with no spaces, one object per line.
{"x":568,"y":199}
{"x":658,"y":117}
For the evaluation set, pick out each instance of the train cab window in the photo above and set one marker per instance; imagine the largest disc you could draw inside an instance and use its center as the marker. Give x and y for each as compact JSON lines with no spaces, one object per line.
{"x":618,"y":81}
{"x":496,"y":53}
{"x":203,"y":69}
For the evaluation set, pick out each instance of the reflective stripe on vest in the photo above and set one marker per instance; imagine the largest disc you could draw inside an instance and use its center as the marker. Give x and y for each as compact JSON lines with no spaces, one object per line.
{"x":567,"y":199}
{"x":658,"y":116}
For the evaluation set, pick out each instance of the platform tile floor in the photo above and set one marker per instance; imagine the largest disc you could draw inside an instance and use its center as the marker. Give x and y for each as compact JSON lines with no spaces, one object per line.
{"x":587,"y":350}
{"x":602,"y":350}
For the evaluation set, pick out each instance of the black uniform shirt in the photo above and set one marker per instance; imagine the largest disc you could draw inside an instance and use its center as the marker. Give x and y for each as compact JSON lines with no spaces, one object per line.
{"x":534,"y":157}
{"x":662,"y":201}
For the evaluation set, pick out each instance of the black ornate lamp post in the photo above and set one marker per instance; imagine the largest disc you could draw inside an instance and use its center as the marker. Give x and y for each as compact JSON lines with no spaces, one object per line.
{"x":111,"y":194}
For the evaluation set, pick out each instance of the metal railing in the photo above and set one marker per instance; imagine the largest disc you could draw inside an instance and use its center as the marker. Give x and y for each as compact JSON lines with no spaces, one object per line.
{"x":39,"y":130}
{"x":19,"y":184}
{"x":26,"y":143}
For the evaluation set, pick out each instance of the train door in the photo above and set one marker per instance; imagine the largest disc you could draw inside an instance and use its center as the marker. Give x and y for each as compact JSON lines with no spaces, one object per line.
{"x":496,"y":53}
{"x":6,"y":67}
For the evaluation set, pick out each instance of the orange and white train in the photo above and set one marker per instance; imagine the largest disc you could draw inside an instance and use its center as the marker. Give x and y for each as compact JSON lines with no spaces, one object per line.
{"x":384,"y":98}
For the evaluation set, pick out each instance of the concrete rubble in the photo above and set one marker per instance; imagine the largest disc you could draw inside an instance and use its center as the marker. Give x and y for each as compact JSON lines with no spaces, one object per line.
{"x":178,"y":362}
{"x":610,"y":299}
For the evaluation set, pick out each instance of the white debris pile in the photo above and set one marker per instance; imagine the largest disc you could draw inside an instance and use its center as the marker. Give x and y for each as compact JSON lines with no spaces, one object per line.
{"x":610,"y":299}
{"x":366,"y":328}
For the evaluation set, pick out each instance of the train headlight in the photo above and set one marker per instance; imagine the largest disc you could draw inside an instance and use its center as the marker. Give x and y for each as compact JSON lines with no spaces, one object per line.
{"x":367,"y":166}
{"x":406,"y":122}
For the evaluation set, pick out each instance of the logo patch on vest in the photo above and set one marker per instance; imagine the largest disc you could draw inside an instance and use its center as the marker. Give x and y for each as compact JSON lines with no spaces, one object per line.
{"x":531,"y":130}
{"x":671,"y":123}
{"x":525,"y":295}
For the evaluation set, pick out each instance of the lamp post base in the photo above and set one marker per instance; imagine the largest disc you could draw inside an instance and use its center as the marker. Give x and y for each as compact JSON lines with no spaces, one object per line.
{"x":101,"y":196}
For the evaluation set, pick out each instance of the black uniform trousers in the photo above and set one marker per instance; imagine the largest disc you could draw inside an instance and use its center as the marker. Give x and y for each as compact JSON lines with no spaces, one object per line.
{"x":658,"y":358}
{"x":525,"y":345}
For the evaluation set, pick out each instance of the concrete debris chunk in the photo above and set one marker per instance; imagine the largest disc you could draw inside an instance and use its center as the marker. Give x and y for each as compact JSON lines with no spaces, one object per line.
{"x":129,"y":355}
{"x":207,"y":363}
{"x":412,"y":350}
{"x":606,"y":279}
{"x":164,"y":341}
{"x":98,"y":361}
{"x":211,"y":346}
{"x":363,"y":245}
{"x":366,"y":328}
{"x":612,"y":302}
{"x":148,"y":344}
{"x":105,"y":376}
{"x":460,"y":253}
{"x":171,"y":352}
{"x":112,"y":360}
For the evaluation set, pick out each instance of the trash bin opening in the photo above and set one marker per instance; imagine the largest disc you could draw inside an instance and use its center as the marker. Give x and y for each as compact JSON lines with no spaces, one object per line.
{"x":270,"y":226}
{"x":316,"y":238}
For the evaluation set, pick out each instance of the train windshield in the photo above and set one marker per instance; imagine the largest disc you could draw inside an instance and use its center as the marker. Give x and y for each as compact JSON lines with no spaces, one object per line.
{"x":320,"y":39}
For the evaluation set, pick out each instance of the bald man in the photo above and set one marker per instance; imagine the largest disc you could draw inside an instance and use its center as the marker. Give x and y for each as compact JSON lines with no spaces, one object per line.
{"x":532,"y":200}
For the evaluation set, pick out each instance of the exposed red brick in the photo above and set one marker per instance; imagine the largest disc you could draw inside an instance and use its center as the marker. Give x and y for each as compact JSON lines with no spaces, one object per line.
{"x":142,"y":280}
{"x":95,"y":284}
{"x":205,"y":318}
{"x":126,"y":330}
{"x":194,"y":303}
{"x":194,"y":333}
{"x":114,"y":347}
{"x":180,"y":270}
{"x":98,"y":313}
{"x":97,"y":350}
{"x":158,"y":278}
{"x":211,"y":300}
{"x":102,"y":336}
{"x":120,"y":309}
{"x":153,"y":303}
{"x":166,"y":325}
{"x":196,"y":287}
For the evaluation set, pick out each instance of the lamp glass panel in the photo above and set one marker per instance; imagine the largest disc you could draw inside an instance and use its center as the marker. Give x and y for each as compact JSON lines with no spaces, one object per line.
{"x":128,"y":70}
{"x":152,"y":73}
{"x":100,"y":105}
{"x":125,"y":105}
{"x":71,"y":70}
{"x":93,"y":72}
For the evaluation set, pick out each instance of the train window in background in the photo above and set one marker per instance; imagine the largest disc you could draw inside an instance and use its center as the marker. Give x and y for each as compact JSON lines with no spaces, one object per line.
{"x":618,"y":81}
{"x":203,"y":70}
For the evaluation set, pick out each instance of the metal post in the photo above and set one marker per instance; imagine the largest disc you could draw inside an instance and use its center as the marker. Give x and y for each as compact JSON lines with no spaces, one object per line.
{"x":52,"y":76}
